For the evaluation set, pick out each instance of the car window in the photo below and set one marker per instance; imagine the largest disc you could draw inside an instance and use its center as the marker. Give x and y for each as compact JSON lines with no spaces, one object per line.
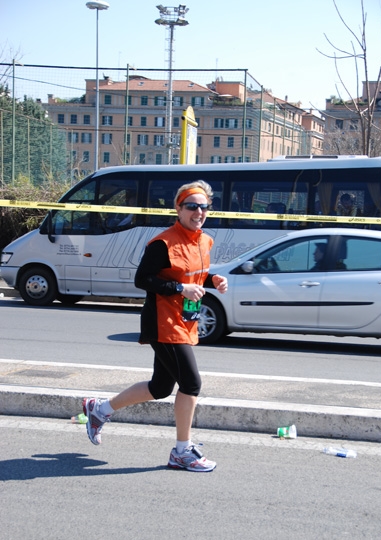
{"x":296,"y":256}
{"x":360,"y":254}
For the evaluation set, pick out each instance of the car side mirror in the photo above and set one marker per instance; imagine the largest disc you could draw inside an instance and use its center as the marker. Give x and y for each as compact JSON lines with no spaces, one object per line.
{"x":247,"y":267}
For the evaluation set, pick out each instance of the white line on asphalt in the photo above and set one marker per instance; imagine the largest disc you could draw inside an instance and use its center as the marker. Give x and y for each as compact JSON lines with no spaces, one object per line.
{"x":204,"y":373}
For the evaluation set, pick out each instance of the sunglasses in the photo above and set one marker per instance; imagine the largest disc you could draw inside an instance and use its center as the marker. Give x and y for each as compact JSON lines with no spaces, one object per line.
{"x":192,"y":206}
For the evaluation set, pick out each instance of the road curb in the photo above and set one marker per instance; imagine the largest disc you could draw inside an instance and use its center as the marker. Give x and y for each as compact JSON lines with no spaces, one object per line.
{"x":211,"y":413}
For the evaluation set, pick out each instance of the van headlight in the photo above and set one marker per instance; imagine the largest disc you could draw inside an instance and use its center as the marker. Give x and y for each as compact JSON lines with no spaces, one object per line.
{"x":5,"y":257}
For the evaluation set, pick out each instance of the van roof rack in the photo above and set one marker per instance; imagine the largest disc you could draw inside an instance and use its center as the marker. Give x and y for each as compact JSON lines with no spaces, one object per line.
{"x":312,"y":156}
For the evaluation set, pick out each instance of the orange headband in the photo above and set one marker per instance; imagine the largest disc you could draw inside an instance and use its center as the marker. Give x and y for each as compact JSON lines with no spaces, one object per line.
{"x":187,"y":192}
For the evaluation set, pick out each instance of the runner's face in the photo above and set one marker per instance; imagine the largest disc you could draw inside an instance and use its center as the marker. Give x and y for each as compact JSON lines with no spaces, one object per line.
{"x":192,"y":219}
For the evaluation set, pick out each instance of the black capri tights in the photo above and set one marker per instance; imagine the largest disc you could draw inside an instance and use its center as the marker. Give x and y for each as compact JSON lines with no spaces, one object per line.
{"x":174,"y":363}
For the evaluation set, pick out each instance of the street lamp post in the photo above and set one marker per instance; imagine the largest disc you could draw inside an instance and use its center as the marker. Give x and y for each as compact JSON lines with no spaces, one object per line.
{"x":171,"y":17}
{"x":98,"y":6}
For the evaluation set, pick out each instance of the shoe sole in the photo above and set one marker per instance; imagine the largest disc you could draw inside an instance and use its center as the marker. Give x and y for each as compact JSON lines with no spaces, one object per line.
{"x":87,"y":413}
{"x":190,"y":469}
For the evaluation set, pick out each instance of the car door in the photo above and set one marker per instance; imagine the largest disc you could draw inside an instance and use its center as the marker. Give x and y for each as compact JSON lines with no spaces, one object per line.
{"x":352,"y":290}
{"x":281,"y":291}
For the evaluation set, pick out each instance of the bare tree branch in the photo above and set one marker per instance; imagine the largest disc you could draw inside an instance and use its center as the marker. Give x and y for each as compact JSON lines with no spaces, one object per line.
{"x":362,"y":106}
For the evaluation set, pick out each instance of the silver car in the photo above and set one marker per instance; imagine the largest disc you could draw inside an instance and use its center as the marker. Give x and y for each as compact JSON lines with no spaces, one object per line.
{"x":317,"y":281}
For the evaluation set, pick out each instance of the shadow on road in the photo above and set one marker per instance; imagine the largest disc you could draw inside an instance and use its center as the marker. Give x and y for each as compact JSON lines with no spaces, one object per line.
{"x":61,"y":465}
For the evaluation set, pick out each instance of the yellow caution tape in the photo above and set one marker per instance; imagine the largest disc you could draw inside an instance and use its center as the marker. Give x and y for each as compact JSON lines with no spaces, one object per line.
{"x":260,"y":216}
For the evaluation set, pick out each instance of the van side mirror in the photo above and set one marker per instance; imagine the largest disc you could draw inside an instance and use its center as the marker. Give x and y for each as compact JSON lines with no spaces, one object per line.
{"x":52,"y":238}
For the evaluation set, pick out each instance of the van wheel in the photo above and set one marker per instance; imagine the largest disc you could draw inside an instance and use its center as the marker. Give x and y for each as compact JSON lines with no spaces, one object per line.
{"x":212,"y":322}
{"x":38,"y":286}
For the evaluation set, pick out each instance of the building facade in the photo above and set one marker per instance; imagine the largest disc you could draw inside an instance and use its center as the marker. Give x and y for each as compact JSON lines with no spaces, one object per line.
{"x":348,"y":123}
{"x":235,"y":123}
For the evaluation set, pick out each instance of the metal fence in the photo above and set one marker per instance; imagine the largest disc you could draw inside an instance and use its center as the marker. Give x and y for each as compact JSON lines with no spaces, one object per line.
{"x":229,"y":105}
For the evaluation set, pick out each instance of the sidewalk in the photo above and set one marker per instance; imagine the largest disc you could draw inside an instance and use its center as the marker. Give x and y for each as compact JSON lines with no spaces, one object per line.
{"x":337,"y":409}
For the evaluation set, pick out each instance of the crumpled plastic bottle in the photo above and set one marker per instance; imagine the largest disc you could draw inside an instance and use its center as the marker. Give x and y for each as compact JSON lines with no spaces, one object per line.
{"x":79,"y":419}
{"x":340,"y":452}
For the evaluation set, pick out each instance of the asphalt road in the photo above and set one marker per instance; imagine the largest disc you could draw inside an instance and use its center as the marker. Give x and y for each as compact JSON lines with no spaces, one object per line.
{"x":56,"y":485}
{"x":102,"y":334}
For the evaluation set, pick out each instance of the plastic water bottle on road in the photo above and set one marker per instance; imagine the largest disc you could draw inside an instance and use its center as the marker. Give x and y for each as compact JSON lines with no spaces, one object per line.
{"x":339,"y":452}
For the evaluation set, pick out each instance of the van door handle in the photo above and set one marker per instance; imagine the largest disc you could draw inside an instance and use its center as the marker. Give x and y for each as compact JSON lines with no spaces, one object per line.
{"x":309,"y":284}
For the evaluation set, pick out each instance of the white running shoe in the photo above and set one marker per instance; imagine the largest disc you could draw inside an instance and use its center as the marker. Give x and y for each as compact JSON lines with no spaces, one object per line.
{"x":95,"y":418}
{"x":191,"y":459}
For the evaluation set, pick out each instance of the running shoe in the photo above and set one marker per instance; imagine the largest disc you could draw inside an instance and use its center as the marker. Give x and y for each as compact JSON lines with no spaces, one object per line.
{"x":95,"y":419}
{"x":191,"y":459}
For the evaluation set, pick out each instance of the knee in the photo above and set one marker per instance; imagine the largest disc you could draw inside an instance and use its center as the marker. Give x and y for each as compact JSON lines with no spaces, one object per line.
{"x":191,"y":389}
{"x":160,"y":392}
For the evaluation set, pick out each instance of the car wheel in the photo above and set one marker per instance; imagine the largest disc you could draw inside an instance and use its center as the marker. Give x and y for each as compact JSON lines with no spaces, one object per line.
{"x":38,"y":286}
{"x":212,"y":322}
{"x":69,"y":299}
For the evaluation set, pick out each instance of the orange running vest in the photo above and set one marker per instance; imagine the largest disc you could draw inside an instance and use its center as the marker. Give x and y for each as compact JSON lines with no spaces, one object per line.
{"x":189,"y":255}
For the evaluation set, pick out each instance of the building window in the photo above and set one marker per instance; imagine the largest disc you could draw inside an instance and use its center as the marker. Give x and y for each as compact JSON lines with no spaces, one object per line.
{"x":73,"y":119}
{"x":218,"y":123}
{"x":158,"y":159}
{"x":176,"y":159}
{"x":107,"y":99}
{"x":130,"y":121}
{"x":86,"y":156}
{"x":72,"y":137}
{"x":229,"y":159}
{"x":354,"y":125}
{"x":106,"y":120}
{"x":106,"y":138}
{"x":199,"y":141}
{"x":198,"y":101}
{"x":142,"y":140}
{"x":215,"y":159}
{"x":249,"y":123}
{"x":176,"y":122}
{"x":231,"y":123}
{"x":142,"y":159}
{"x":86,"y":119}
{"x":178,"y":101}
{"x":144,"y":100}
{"x":230,"y":142}
{"x":86,"y":138}
{"x":74,"y":155}
{"x":129,"y":100}
{"x":269,"y":127}
{"x":143,"y":121}
{"x":61,"y":118}
{"x":158,"y":140}
{"x":216,"y":142}
{"x":159,"y":121}
{"x":160,"y":101}
{"x":339,"y":124}
{"x":106,"y":157}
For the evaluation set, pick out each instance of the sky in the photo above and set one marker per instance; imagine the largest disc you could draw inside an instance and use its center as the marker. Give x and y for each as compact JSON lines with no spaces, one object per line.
{"x":275,"y":40}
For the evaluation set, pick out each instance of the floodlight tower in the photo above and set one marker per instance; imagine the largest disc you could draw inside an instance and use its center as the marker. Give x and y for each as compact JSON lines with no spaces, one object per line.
{"x":99,"y":5}
{"x":170,"y":17}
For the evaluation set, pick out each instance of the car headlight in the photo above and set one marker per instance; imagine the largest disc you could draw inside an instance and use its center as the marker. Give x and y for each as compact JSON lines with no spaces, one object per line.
{"x":5,"y":257}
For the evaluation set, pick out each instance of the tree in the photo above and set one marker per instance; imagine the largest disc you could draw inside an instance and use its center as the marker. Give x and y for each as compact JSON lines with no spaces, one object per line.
{"x":364,"y":134}
{"x":40,"y":147}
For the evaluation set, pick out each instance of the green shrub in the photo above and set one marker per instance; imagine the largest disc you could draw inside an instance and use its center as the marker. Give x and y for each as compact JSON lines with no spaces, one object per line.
{"x":16,"y":221}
